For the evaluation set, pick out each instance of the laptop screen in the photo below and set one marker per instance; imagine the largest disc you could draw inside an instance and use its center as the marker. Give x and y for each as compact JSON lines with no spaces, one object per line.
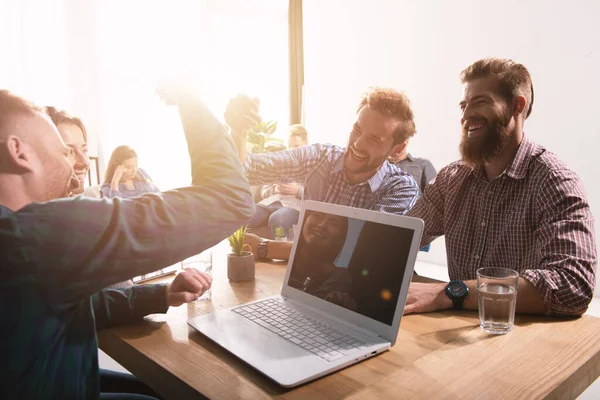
{"x":353,"y":263}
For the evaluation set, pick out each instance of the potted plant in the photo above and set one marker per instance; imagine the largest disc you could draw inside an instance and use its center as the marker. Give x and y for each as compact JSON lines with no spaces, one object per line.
{"x":261,"y":139}
{"x":240,"y":262}
{"x":280,"y":234}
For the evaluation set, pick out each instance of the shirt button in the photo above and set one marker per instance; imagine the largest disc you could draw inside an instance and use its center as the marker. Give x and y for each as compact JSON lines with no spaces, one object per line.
{"x":476,"y":256}
{"x":483,"y":224}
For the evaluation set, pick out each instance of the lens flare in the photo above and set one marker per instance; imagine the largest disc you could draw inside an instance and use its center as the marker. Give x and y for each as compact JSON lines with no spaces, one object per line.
{"x":386,"y":295}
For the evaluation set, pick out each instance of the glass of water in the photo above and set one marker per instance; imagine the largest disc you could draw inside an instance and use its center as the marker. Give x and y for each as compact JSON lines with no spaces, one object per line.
{"x":497,"y":296}
{"x":203,"y":263}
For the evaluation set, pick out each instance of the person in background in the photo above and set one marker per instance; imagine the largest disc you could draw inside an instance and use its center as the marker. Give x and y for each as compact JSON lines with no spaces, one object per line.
{"x":420,"y":168}
{"x":74,"y":134}
{"x":280,"y":207}
{"x":508,"y":203}
{"x":124,"y":178}
{"x":58,"y":251}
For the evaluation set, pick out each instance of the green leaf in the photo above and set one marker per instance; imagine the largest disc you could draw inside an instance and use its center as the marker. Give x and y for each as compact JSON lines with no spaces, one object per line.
{"x":236,"y":240}
{"x":271,"y":127}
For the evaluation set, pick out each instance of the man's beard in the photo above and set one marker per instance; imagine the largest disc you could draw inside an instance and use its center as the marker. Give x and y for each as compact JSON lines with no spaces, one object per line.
{"x":481,"y":149}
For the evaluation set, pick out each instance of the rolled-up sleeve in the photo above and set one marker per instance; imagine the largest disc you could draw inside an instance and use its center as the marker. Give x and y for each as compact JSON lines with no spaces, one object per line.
{"x":400,"y":196}
{"x":566,"y":275}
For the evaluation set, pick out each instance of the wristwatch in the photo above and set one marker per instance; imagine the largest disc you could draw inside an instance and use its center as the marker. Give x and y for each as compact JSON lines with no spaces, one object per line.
{"x":262,"y":250}
{"x":457,"y":291}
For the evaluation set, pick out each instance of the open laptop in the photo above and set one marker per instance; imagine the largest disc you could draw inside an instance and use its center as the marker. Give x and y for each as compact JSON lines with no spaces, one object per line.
{"x":342,"y":297}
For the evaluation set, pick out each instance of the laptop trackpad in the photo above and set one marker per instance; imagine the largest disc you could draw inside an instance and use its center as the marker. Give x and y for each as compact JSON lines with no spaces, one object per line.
{"x":279,"y":359}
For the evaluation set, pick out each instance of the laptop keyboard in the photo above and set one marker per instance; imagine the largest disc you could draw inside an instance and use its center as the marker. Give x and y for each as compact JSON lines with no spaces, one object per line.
{"x":306,"y":332}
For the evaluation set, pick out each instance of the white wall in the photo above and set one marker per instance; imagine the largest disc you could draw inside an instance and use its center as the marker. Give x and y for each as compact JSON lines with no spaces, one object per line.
{"x":421,"y":47}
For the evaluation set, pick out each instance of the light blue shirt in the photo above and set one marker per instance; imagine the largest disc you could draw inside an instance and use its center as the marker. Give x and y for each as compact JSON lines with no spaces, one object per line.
{"x":141,"y":185}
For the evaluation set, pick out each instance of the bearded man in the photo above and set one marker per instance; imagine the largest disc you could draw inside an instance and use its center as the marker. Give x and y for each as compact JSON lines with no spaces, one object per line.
{"x":508,"y":203}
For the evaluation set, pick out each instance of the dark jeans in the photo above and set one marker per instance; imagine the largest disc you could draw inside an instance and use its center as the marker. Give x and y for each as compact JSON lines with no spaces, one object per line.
{"x":119,"y":386}
{"x":274,"y":216}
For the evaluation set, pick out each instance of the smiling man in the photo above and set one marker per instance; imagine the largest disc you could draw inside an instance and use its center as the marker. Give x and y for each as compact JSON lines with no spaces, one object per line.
{"x":357,"y":176}
{"x":508,"y":203}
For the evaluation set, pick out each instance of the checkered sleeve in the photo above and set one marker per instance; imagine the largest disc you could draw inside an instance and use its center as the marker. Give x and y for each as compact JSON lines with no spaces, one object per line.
{"x":126,"y":305}
{"x":565,"y":277}
{"x":400,"y":196}
{"x":293,"y":165}
{"x":430,"y":207}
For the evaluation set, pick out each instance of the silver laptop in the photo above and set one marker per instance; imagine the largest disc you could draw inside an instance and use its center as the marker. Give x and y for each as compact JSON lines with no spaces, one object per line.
{"x":342,"y":297}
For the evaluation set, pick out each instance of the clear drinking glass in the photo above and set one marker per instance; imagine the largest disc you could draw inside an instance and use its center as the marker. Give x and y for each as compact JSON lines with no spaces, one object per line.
{"x":497,"y":297}
{"x":203,"y":263}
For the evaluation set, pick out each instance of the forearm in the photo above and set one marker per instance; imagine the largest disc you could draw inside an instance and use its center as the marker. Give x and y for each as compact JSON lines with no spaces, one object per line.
{"x":126,"y":305}
{"x":239,"y":139}
{"x":288,"y":165}
{"x":529,"y":300}
{"x":277,"y":250}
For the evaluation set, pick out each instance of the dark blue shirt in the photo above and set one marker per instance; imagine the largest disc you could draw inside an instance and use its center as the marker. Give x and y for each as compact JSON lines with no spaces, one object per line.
{"x":56,"y":257}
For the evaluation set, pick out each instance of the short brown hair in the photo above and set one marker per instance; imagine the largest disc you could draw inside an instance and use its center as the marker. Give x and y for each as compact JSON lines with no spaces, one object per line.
{"x":62,"y":117}
{"x":11,"y":104}
{"x":300,"y":131}
{"x":394,"y":103}
{"x":513,"y":78}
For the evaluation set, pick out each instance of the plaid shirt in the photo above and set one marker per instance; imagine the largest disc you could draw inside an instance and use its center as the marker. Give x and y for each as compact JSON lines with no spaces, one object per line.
{"x":321,"y":168}
{"x":533,"y":218}
{"x":55,"y":257}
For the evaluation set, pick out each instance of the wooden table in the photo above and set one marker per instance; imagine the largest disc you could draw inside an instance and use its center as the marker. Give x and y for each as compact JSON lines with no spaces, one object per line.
{"x":442,"y":355}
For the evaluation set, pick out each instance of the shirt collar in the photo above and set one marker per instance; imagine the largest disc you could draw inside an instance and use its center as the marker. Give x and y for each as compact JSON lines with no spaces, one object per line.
{"x":518,"y":168}
{"x":374,"y":182}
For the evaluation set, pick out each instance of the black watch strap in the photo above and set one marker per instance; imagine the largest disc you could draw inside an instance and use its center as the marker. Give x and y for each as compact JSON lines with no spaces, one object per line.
{"x":458,"y":303}
{"x":262,"y":250}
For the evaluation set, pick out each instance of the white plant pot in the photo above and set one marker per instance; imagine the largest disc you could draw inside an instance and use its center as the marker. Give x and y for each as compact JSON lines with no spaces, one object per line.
{"x":240,"y":268}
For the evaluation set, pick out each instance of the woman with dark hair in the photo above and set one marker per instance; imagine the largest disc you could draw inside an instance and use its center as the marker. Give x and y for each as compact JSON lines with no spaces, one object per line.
{"x":123,"y":178}
{"x":74,"y":135}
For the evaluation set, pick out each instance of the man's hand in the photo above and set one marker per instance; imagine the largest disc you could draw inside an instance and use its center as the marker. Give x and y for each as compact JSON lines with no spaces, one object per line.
{"x":242,"y":114}
{"x":288,"y":188}
{"x":253,"y":241}
{"x":187,"y":286}
{"x":426,"y":297}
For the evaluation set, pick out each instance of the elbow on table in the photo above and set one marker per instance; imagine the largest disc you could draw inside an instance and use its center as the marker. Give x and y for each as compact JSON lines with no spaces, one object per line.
{"x":575,"y":307}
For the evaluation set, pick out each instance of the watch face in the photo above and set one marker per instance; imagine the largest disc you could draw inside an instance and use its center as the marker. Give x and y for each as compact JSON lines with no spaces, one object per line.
{"x":262,"y":250}
{"x":457,"y":289}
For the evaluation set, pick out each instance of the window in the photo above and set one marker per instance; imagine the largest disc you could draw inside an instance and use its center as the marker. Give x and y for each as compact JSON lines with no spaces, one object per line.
{"x":226,"y":47}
